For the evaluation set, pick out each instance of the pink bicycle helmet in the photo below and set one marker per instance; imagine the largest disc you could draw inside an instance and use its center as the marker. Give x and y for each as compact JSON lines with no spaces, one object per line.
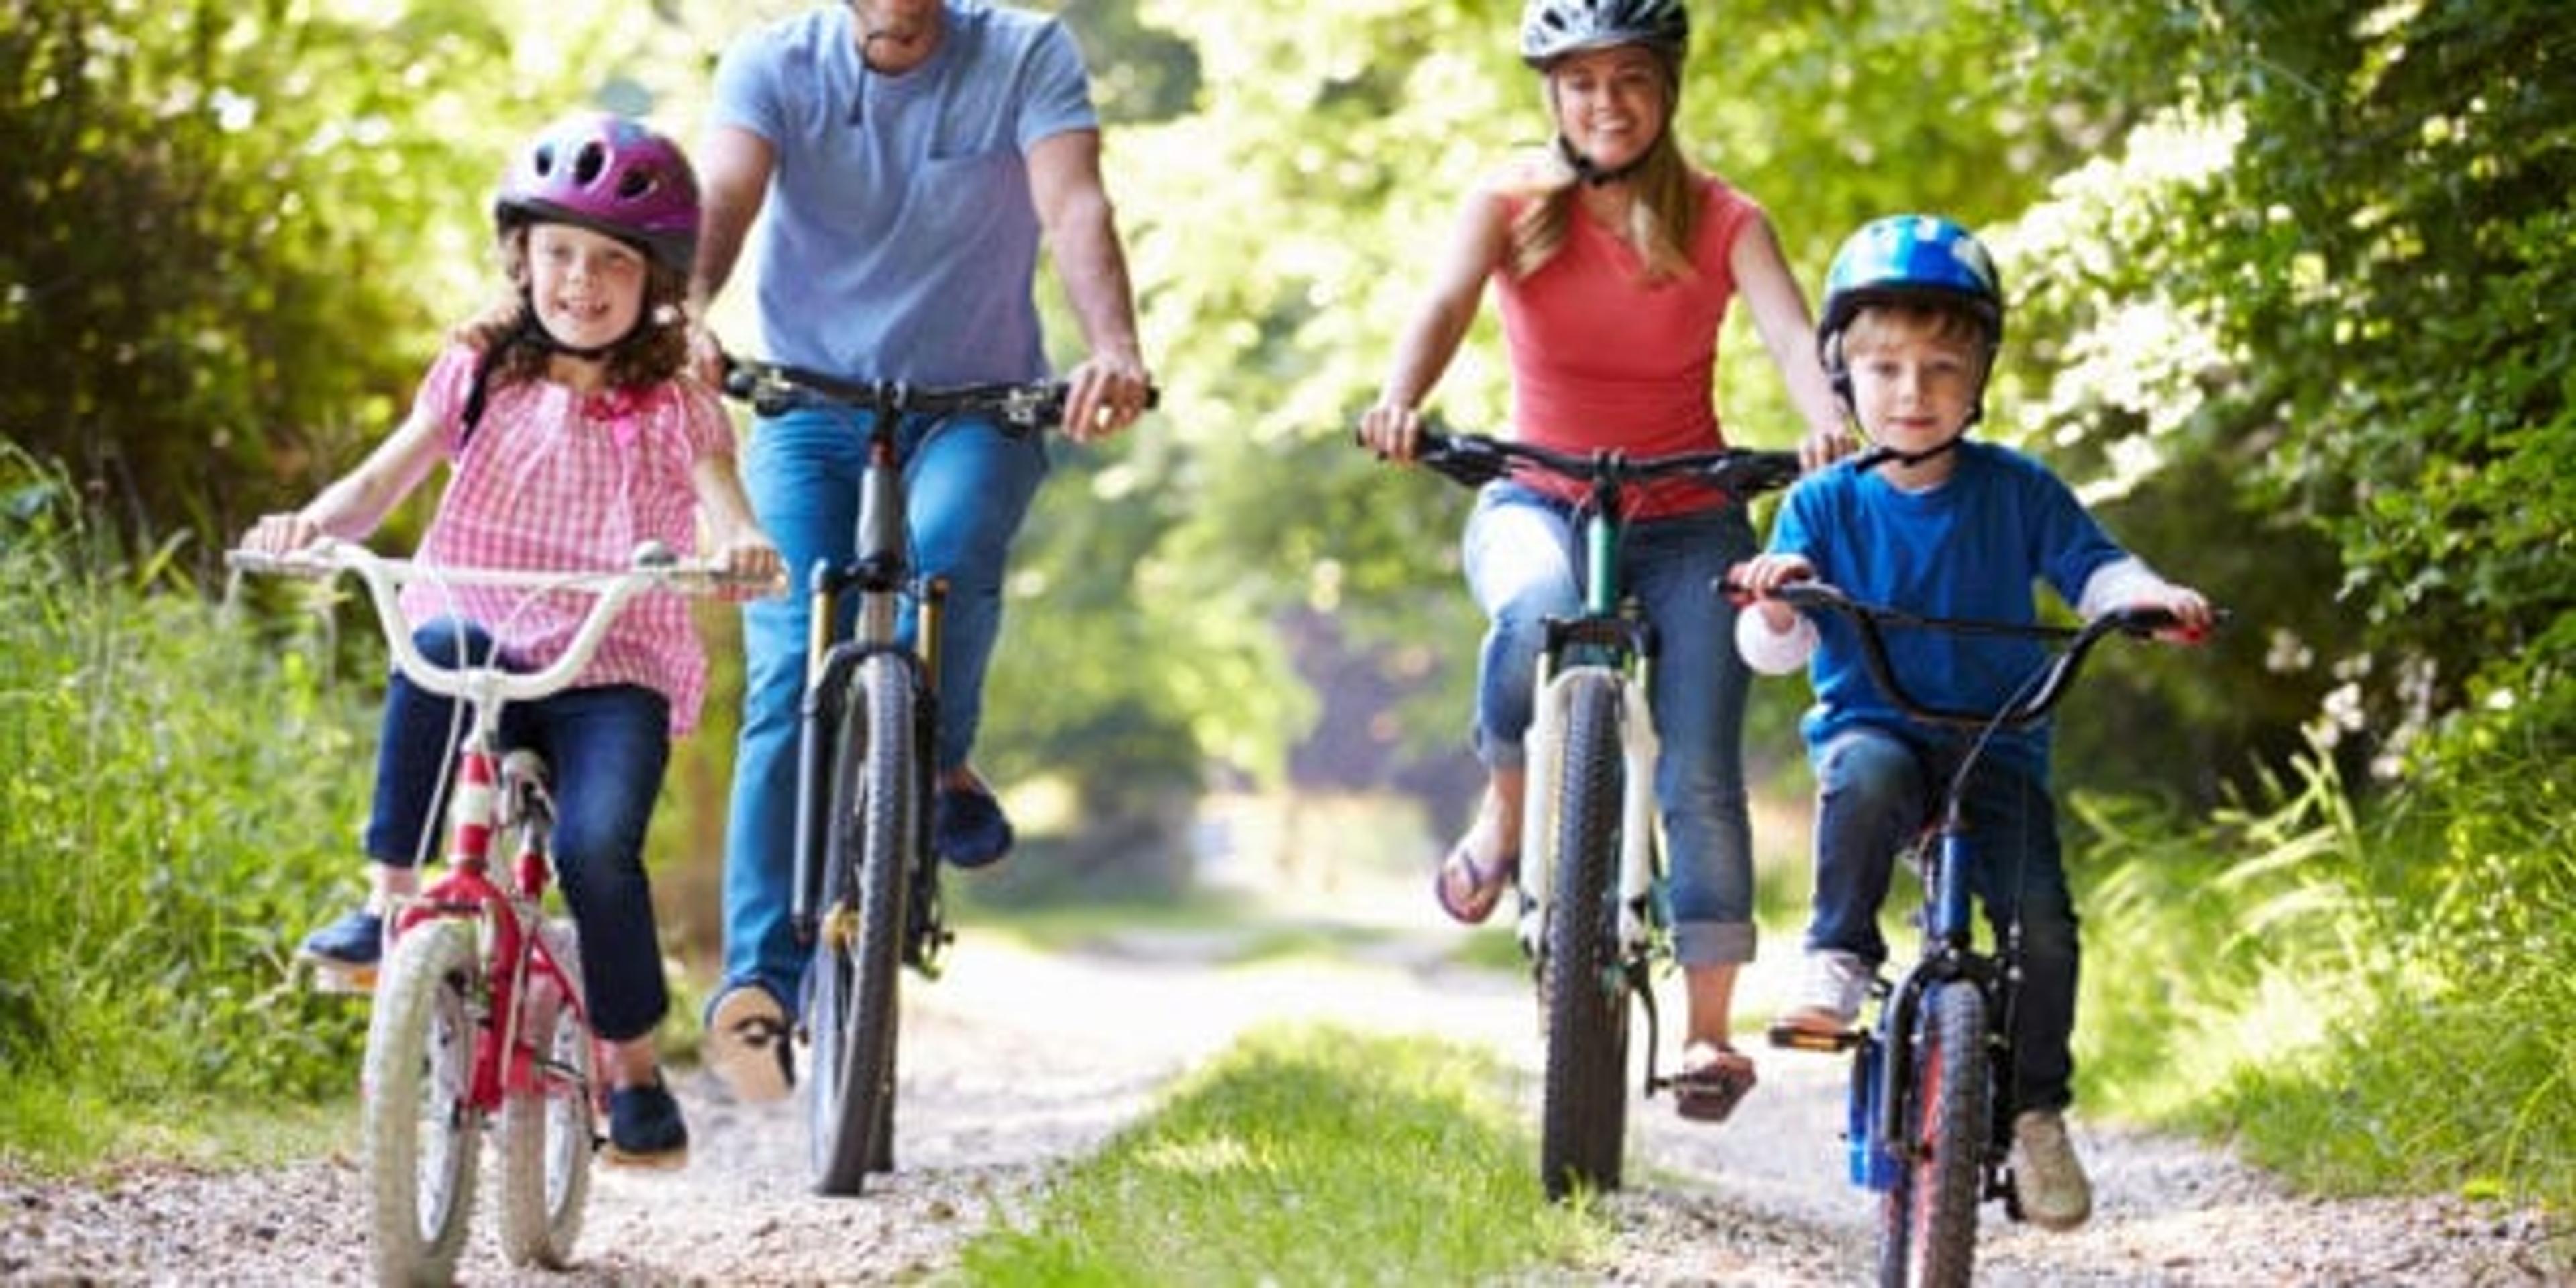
{"x":609,"y":174}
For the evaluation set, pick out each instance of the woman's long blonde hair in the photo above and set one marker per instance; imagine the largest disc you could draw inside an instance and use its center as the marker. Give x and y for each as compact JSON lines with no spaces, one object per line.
{"x":1662,"y":222}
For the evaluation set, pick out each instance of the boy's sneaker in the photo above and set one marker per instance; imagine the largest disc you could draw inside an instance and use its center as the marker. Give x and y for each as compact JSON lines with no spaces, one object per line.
{"x":747,"y":1043}
{"x":645,"y":1128}
{"x":1831,"y":986}
{"x":2046,"y":1174}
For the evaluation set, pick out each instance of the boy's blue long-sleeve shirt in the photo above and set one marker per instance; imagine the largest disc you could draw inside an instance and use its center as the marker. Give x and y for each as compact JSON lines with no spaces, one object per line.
{"x":1974,"y":547}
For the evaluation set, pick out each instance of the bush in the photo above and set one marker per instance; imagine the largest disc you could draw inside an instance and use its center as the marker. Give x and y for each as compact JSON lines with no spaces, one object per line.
{"x":180,"y":806}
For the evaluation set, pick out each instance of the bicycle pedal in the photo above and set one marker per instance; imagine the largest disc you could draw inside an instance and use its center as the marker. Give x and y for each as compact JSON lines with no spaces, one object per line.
{"x":357,"y":981}
{"x":1790,"y":1037}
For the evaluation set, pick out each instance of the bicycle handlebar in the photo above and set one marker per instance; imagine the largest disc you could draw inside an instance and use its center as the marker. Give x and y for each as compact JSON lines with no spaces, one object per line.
{"x":654,"y":567}
{"x":1022,"y":406}
{"x":2036,"y":699}
{"x":1474,"y":460}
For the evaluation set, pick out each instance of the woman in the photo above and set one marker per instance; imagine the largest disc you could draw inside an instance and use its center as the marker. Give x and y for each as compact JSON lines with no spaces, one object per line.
{"x":1614,"y":261}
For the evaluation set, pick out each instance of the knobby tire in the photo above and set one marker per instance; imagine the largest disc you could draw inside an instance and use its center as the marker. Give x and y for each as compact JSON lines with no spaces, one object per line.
{"x":547,"y":1128}
{"x":1583,"y":1126}
{"x":875,"y":792}
{"x":421,"y":1133}
{"x":1928,"y":1234}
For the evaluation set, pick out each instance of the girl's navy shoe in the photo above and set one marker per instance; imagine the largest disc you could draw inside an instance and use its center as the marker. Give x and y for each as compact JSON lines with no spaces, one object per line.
{"x":354,"y":941}
{"x":645,"y":1128}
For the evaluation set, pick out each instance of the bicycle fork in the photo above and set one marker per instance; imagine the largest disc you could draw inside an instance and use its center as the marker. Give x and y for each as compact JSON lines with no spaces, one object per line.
{"x":1635,"y":886}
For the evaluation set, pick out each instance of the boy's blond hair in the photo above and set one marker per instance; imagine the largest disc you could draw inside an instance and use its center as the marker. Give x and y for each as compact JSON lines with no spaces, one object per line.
{"x":1886,"y":321}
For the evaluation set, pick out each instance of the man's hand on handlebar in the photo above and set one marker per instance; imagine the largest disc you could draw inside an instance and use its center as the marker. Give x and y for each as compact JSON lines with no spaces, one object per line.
{"x":1103,"y":395}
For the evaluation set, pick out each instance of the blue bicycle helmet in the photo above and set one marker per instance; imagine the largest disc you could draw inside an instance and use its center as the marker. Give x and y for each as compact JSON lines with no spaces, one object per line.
{"x":1908,"y":259}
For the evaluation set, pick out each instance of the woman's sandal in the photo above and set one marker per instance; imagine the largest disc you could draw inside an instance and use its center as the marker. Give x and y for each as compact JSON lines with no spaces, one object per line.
{"x":1470,"y":903}
{"x":1708,"y":1088}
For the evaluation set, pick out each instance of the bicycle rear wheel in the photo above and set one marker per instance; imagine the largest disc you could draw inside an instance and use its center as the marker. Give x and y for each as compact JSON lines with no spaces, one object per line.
{"x":422,"y":1130}
{"x":1584,"y":1122}
{"x":876,"y":792}
{"x":1928,"y":1223}
{"x":547,"y":1126}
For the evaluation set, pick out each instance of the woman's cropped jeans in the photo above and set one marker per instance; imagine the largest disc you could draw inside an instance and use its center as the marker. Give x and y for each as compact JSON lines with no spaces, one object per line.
{"x":969,"y":486}
{"x":1523,"y":566}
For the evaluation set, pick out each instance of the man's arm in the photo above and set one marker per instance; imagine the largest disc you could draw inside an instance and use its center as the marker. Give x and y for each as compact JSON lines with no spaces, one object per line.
{"x":733,"y":167}
{"x":1108,"y":388}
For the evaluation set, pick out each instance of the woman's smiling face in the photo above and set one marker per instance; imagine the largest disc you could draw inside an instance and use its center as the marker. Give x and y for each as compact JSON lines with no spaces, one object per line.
{"x":1611,"y":104}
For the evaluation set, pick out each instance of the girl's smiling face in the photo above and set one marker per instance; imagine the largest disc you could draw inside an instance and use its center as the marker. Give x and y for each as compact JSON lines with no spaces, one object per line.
{"x":1610,"y":103}
{"x":587,"y":287}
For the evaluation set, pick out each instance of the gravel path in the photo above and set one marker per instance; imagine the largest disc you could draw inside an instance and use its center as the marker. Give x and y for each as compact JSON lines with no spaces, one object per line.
{"x":1019,"y":1061}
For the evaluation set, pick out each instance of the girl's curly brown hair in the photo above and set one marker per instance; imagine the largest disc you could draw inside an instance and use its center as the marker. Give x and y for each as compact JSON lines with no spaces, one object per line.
{"x":655,"y":351}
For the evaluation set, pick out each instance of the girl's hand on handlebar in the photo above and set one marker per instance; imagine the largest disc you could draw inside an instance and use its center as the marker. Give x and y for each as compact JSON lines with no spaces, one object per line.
{"x":280,"y":534}
{"x":757,"y":563}
{"x":1393,"y":432}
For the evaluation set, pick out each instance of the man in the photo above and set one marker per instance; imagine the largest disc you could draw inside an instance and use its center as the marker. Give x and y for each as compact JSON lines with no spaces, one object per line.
{"x":912,"y":156}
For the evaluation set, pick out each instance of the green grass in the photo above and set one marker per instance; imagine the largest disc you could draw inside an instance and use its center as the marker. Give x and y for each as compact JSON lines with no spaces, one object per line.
{"x":176,"y":810}
{"x":1309,"y":1155}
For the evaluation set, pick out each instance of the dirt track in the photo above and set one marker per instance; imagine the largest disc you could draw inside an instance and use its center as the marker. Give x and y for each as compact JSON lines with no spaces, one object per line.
{"x":1019,"y":1060}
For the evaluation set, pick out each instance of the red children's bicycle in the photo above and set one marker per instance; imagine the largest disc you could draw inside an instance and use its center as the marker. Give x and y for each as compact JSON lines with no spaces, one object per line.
{"x":479,"y":1009}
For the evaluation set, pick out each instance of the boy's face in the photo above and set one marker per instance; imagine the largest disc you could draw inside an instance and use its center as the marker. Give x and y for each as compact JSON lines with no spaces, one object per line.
{"x":1912,"y":387}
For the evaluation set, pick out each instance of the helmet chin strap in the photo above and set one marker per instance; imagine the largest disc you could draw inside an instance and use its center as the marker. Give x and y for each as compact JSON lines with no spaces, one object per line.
{"x":1593,"y":174}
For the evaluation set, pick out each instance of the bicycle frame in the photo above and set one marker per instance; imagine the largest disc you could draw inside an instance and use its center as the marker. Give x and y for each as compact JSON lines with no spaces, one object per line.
{"x":509,"y":986}
{"x":865,"y":893}
{"x":1594,"y":678}
{"x":1885,"y":1093}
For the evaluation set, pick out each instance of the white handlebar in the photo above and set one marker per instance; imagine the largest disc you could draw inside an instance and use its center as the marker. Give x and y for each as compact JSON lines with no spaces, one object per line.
{"x":654,"y":567}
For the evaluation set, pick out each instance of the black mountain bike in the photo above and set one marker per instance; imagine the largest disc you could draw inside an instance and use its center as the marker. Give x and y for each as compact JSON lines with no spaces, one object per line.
{"x":1929,"y":1121}
{"x":1591,"y":853}
{"x":866,"y":894}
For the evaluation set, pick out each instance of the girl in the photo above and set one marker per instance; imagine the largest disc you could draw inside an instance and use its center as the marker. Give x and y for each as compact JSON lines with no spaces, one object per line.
{"x":571,"y":436}
{"x":1616,"y":260}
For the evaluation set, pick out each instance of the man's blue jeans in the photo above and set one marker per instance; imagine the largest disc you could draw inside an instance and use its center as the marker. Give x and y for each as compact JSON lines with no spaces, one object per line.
{"x":969,"y":487}
{"x":1875,"y":789}
{"x":1523,"y":567}
{"x":605,"y":749}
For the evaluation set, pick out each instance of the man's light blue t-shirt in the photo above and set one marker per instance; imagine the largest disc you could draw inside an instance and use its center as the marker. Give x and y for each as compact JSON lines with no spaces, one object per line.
{"x":898,"y":239}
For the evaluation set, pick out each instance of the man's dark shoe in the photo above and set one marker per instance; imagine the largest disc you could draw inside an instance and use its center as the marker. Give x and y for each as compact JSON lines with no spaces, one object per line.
{"x":967,"y":828}
{"x":645,"y":1128}
{"x":354,"y":942}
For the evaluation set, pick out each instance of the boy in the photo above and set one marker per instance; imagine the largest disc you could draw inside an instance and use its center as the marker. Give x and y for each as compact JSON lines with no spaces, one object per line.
{"x":1945,"y":527}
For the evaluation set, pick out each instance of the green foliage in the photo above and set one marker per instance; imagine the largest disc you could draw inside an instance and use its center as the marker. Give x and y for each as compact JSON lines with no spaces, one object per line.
{"x":2296,"y":977}
{"x":159,"y":847}
{"x":1383,"y":1142}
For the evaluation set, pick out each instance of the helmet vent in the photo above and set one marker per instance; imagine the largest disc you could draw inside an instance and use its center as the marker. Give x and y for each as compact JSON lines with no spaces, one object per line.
{"x":637,"y":183}
{"x":587,"y":164}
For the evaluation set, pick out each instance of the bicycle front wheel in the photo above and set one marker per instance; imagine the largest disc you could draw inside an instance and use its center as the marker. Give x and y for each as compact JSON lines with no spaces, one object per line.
{"x":422,"y":1129}
{"x":1928,"y":1224}
{"x":873,"y":829}
{"x":547,"y":1126}
{"x":1585,"y":1118}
